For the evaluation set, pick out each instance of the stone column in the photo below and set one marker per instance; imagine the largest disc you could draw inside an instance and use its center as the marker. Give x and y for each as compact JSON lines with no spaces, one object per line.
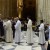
{"x":44,"y":10}
{"x":39,"y":11}
{"x":48,"y":11}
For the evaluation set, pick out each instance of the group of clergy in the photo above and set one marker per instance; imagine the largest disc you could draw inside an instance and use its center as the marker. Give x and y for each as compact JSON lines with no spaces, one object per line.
{"x":15,"y":33}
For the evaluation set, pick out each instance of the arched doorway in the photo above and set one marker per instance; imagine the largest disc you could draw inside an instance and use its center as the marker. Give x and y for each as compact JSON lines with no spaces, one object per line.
{"x":29,"y":9}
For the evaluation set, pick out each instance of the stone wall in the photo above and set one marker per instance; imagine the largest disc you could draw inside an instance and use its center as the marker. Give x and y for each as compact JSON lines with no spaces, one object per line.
{"x":43,"y":10}
{"x":8,"y":8}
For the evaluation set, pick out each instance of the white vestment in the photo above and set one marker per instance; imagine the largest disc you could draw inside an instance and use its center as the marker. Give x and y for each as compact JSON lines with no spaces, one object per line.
{"x":49,"y":32}
{"x":8,"y":31}
{"x":17,"y":31}
{"x":41,"y":34}
{"x":29,"y":34}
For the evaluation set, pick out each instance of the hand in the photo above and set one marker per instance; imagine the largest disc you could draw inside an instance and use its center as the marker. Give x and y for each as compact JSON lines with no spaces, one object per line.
{"x":25,"y":23}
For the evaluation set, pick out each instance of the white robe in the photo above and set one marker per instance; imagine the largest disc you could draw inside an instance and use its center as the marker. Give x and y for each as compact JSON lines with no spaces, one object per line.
{"x":17,"y":31}
{"x":29,"y":34}
{"x":41,"y":34}
{"x":8,"y":31}
{"x":49,"y":32}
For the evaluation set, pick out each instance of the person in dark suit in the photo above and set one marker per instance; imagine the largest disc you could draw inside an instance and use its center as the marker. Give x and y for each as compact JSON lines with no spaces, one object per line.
{"x":1,"y":28}
{"x":13,"y":28}
{"x":47,"y":32}
{"x":48,"y":47}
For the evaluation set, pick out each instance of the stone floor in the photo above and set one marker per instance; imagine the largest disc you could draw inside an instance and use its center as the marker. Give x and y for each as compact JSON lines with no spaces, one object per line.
{"x":23,"y":45}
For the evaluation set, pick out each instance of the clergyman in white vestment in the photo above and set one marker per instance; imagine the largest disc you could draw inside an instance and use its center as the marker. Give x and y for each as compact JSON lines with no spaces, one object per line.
{"x":49,"y":35}
{"x":17,"y":31}
{"x":41,"y":33}
{"x":29,"y":34}
{"x":8,"y":31}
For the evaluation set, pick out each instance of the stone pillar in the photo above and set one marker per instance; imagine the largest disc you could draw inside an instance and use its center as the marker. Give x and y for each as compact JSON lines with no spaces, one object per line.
{"x":39,"y":11}
{"x":48,"y":11}
{"x":44,"y":10}
{"x":4,"y":8}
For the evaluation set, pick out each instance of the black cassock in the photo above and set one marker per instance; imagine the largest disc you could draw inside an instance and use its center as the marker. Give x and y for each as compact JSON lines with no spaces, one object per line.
{"x":1,"y":28}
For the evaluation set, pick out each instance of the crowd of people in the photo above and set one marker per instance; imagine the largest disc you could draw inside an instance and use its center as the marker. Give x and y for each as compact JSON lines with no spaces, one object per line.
{"x":11,"y":30}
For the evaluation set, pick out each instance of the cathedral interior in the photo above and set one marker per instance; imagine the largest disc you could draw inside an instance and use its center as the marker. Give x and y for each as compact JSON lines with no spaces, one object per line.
{"x":20,"y":8}
{"x":37,"y":10}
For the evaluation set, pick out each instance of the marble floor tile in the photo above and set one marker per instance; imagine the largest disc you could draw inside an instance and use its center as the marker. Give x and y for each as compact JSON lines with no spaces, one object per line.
{"x":23,"y":48}
{"x":23,"y":45}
